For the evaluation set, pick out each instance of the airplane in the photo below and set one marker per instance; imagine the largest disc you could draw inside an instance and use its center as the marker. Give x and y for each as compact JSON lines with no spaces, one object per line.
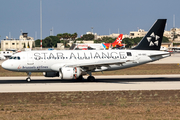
{"x":100,"y":46}
{"x":117,"y":42}
{"x":2,"y":57}
{"x":73,"y":64}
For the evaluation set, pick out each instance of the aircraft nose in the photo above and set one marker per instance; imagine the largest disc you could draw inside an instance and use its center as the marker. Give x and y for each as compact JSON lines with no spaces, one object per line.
{"x":5,"y":65}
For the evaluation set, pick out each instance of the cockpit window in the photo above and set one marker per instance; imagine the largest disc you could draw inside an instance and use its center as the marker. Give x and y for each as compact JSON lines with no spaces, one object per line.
{"x":15,"y":57}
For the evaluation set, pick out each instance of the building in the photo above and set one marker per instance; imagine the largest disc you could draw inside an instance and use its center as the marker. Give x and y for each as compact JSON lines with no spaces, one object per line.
{"x":139,"y":33}
{"x":24,"y":41}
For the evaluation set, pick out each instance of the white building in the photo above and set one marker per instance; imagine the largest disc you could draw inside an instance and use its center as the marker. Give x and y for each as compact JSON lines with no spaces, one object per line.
{"x":139,"y":33}
{"x":113,"y":35}
{"x":170,"y":34}
{"x":17,"y":44}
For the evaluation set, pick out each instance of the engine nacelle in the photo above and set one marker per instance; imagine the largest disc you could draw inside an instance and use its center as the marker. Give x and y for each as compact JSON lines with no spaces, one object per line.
{"x":69,"y":72}
{"x":51,"y":74}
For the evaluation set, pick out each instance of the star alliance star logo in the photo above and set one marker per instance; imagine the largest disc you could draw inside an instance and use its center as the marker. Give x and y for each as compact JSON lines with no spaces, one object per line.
{"x":153,"y":39}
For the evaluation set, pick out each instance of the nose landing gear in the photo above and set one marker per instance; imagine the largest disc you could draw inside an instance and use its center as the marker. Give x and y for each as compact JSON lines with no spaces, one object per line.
{"x":28,"y":79}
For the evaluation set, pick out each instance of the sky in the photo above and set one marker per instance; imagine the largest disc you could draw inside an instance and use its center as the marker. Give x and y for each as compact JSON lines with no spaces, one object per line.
{"x":70,"y":16}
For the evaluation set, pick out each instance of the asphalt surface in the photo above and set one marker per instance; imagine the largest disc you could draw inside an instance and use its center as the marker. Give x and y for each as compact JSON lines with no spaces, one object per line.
{"x":102,"y":83}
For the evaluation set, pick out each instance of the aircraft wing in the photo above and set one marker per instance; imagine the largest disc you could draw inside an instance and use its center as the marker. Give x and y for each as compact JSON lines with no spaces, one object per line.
{"x":93,"y":65}
{"x":89,"y":66}
{"x":97,"y":63}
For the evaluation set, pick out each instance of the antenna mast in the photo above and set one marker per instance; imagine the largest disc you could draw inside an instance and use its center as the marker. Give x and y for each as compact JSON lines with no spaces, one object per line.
{"x":173,"y":21}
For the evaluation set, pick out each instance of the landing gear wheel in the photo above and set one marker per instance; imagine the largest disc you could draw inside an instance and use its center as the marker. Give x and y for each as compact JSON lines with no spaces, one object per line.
{"x":80,"y":78}
{"x":91,"y":78}
{"x":28,"y":79}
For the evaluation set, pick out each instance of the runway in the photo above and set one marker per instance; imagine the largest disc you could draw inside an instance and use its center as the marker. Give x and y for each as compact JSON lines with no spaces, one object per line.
{"x":102,"y":83}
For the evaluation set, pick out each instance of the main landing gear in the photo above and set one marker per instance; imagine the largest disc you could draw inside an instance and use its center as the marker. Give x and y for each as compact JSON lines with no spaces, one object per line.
{"x":80,"y":78}
{"x":28,"y":79}
{"x":90,"y":77}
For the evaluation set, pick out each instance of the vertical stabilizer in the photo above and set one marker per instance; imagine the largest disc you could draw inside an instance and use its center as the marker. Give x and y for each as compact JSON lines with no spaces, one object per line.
{"x":153,"y":39}
{"x":118,"y":40}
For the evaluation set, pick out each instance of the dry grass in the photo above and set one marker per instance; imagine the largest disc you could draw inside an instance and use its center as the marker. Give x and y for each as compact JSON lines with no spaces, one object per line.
{"x":91,"y":105}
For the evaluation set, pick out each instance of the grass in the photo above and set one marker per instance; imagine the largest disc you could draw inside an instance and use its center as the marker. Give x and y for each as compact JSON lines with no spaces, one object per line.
{"x":91,"y":105}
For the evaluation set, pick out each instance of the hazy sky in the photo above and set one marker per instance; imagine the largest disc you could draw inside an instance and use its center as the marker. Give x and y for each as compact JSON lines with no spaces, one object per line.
{"x":80,"y":15}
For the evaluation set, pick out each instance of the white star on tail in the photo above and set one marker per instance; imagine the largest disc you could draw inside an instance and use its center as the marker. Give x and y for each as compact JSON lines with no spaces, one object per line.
{"x":149,"y":39}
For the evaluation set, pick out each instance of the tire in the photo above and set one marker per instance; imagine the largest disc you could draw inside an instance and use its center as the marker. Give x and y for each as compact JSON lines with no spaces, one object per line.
{"x":28,"y":79}
{"x":91,"y":78}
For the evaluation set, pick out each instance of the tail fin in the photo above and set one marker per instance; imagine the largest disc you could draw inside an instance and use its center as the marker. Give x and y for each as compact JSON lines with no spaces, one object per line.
{"x":153,"y":39}
{"x":118,"y":41}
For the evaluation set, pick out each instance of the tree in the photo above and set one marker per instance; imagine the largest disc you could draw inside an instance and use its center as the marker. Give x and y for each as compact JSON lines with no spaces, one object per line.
{"x":136,"y":40}
{"x":59,"y":36}
{"x":88,"y":37}
{"x":33,"y":45}
{"x":165,"y":39}
{"x":55,"y":40}
{"x":37,"y":43}
{"x":50,"y":41}
{"x":129,"y":42}
{"x":47,"y":42}
{"x":66,"y":36}
{"x":73,"y":36}
{"x":65,"y":43}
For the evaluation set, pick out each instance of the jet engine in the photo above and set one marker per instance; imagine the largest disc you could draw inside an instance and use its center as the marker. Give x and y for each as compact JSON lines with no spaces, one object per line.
{"x":51,"y":74}
{"x":69,"y":72}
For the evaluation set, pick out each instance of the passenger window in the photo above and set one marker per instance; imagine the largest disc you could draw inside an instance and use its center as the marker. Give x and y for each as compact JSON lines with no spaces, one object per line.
{"x":129,"y":54}
{"x":18,"y":58}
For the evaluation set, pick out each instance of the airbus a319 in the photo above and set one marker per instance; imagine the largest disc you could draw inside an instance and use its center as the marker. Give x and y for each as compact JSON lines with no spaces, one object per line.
{"x":73,"y":64}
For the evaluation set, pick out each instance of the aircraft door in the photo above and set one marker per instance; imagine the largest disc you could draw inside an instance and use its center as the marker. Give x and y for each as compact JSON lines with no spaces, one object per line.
{"x":30,"y":59}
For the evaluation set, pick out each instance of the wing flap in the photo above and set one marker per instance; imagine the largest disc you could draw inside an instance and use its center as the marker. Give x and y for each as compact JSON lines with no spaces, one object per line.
{"x":88,"y":65}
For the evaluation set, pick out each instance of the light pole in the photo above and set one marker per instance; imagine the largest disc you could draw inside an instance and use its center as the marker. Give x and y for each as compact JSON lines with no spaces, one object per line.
{"x":41,"y":22}
{"x":92,"y":30}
